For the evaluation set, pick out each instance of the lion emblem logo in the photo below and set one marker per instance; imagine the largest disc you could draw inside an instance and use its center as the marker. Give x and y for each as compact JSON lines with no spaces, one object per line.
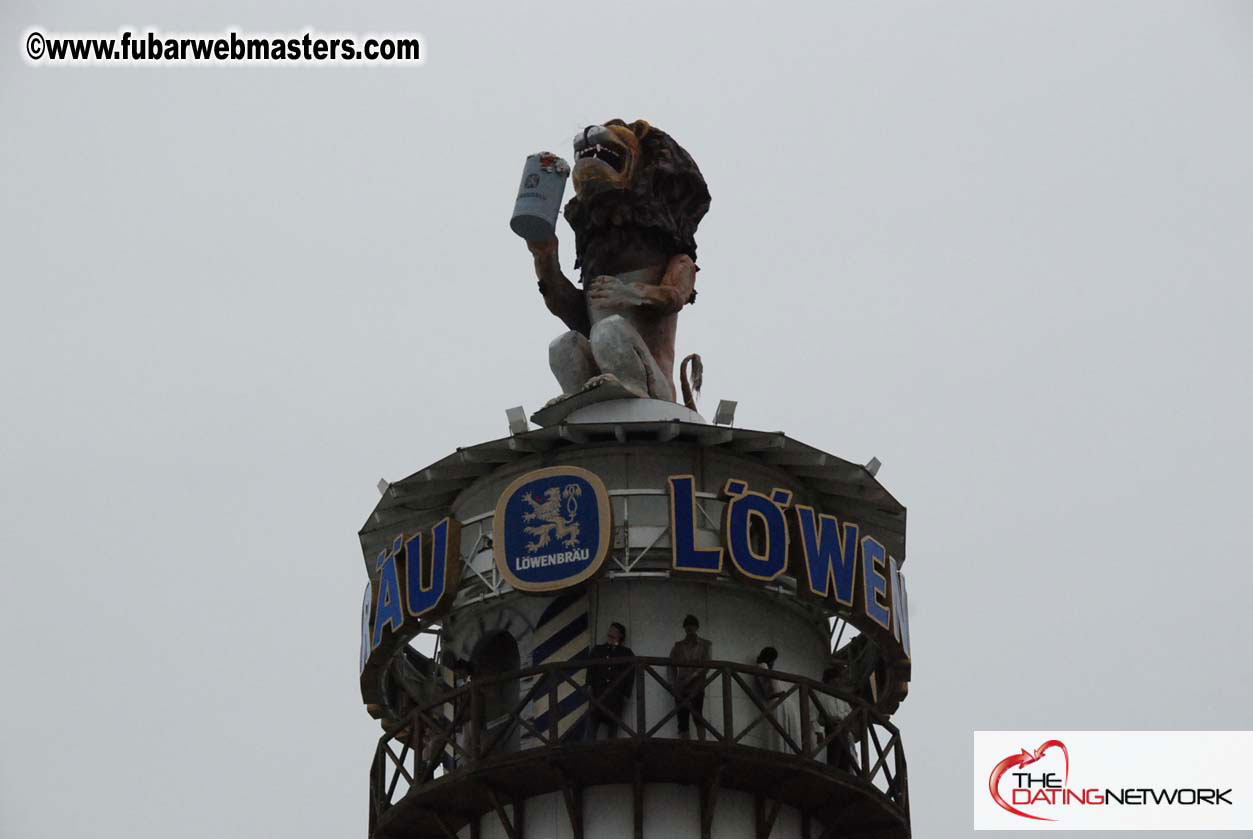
{"x":556,"y":513}
{"x":552,"y":528}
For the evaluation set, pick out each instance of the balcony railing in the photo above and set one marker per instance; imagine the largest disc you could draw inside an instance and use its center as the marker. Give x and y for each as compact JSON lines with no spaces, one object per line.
{"x":749,"y":713}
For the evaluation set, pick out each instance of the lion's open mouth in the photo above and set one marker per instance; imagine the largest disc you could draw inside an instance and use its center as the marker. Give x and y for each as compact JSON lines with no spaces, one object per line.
{"x":603,"y":159}
{"x":605,"y":153}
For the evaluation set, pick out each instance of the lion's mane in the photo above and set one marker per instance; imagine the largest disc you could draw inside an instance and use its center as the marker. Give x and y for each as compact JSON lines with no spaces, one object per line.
{"x":659,"y":213}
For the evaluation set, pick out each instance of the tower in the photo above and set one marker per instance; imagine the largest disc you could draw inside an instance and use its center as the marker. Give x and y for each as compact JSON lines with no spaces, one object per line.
{"x":499,"y":574}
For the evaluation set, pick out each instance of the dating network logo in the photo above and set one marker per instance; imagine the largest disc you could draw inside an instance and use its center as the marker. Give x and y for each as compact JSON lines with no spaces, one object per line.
{"x":1046,"y":786}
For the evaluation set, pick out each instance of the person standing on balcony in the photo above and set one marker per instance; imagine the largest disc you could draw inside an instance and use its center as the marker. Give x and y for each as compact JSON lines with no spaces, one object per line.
{"x":604,"y":685}
{"x":769,"y":695}
{"x":459,"y":713}
{"x":767,"y":687}
{"x":688,"y":683}
{"x":839,"y":749}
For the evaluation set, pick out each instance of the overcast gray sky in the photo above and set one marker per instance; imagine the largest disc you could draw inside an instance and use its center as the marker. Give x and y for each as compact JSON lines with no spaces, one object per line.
{"x":1004,"y":247}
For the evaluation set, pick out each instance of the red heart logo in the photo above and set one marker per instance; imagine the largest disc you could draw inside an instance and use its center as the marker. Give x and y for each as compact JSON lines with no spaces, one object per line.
{"x":1024,"y":758}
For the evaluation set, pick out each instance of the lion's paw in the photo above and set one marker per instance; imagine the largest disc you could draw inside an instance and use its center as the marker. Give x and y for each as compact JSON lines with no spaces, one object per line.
{"x":611,"y":379}
{"x":602,"y":379}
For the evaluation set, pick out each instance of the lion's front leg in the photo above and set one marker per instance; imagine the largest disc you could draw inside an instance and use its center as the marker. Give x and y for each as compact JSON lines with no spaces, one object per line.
{"x":570,"y":357}
{"x":562,"y":297}
{"x":618,"y":349}
{"x":542,"y":534}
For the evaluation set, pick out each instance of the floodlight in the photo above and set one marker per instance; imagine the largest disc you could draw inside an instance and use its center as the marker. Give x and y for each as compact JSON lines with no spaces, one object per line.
{"x":517,"y":421}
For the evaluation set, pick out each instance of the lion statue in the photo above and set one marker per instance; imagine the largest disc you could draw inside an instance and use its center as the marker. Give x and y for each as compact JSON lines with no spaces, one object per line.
{"x":638,"y":200}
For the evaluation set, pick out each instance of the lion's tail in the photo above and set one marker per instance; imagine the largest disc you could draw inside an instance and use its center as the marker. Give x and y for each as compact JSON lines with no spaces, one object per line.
{"x":698,"y":376}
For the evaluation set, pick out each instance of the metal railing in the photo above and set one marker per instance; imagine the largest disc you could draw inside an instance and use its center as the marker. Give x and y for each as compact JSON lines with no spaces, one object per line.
{"x":745,"y":708}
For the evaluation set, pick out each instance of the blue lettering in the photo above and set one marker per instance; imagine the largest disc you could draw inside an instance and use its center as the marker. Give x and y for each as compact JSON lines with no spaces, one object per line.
{"x":900,"y":606}
{"x":365,"y":626}
{"x":686,"y":556}
{"x":830,"y":559}
{"x":387,"y":608}
{"x":423,"y":598}
{"x":875,"y":586}
{"x":740,"y":512}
